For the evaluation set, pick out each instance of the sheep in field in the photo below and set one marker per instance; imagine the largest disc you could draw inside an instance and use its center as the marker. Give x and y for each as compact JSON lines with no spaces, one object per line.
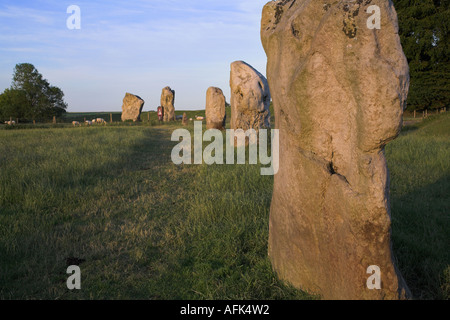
{"x":76,"y":123}
{"x":88,"y":123}
{"x":10,"y":123}
{"x":101,"y":121}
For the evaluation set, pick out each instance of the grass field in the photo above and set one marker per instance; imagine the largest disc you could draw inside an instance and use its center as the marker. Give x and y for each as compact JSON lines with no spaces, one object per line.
{"x":147,"y":229}
{"x":419,"y":163}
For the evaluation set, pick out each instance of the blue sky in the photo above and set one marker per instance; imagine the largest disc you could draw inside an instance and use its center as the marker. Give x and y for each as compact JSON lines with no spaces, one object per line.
{"x":132,"y":46}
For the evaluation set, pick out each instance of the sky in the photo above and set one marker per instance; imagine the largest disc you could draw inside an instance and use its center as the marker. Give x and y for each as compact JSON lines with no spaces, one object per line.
{"x":131,"y":46}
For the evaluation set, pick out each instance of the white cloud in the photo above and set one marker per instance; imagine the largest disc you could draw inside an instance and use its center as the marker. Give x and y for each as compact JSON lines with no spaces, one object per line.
{"x":27,"y":14}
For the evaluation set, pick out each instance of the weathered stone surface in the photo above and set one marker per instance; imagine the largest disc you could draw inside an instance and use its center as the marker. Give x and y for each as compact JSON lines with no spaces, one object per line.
{"x":132,"y":107}
{"x":215,"y":109}
{"x":339,"y":91}
{"x":250,"y":98}
{"x":185,"y":120}
{"x":168,"y":103}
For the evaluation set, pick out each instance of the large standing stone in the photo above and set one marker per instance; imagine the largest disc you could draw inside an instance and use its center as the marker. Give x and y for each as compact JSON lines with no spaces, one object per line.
{"x":215,"y":109}
{"x":339,"y":90}
{"x":132,"y":107}
{"x":168,"y":103}
{"x":250,"y":98}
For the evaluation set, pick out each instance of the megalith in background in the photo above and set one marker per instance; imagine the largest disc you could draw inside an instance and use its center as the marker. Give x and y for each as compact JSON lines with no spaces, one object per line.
{"x":132,"y":107}
{"x":250,"y":98}
{"x":215,"y":109}
{"x":168,"y":103}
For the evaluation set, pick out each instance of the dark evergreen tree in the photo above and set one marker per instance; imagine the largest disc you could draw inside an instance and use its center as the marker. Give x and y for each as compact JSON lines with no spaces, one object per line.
{"x":424,"y":31}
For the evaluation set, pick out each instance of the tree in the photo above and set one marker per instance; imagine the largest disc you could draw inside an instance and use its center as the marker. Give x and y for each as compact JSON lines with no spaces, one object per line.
{"x":31,"y":96}
{"x":13,"y":104}
{"x":424,"y":31}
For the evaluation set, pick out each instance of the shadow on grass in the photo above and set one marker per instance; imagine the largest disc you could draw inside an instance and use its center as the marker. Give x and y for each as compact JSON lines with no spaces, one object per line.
{"x":421,"y":229}
{"x":151,"y":152}
{"x":409,"y":128}
{"x":69,"y":212}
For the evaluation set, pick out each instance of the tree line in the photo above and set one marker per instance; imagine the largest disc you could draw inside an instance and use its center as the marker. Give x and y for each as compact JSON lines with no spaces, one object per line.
{"x":424,"y":31}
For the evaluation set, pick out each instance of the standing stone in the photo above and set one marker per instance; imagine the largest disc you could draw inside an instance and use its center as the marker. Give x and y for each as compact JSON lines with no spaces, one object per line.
{"x":185,"y":119}
{"x":250,"y":98}
{"x":339,"y":90}
{"x":132,"y":107}
{"x":168,"y":103}
{"x":215,"y":109}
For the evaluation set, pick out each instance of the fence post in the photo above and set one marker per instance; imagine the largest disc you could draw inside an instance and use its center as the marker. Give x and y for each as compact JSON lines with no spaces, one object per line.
{"x":54,"y":119}
{"x":110,"y":118}
{"x":414,"y":114}
{"x":34,"y":121}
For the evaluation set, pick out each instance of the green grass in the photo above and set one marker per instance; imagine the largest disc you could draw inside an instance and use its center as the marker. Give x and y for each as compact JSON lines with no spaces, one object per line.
{"x":420,"y":186}
{"x":147,"y":229}
{"x":151,"y":230}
